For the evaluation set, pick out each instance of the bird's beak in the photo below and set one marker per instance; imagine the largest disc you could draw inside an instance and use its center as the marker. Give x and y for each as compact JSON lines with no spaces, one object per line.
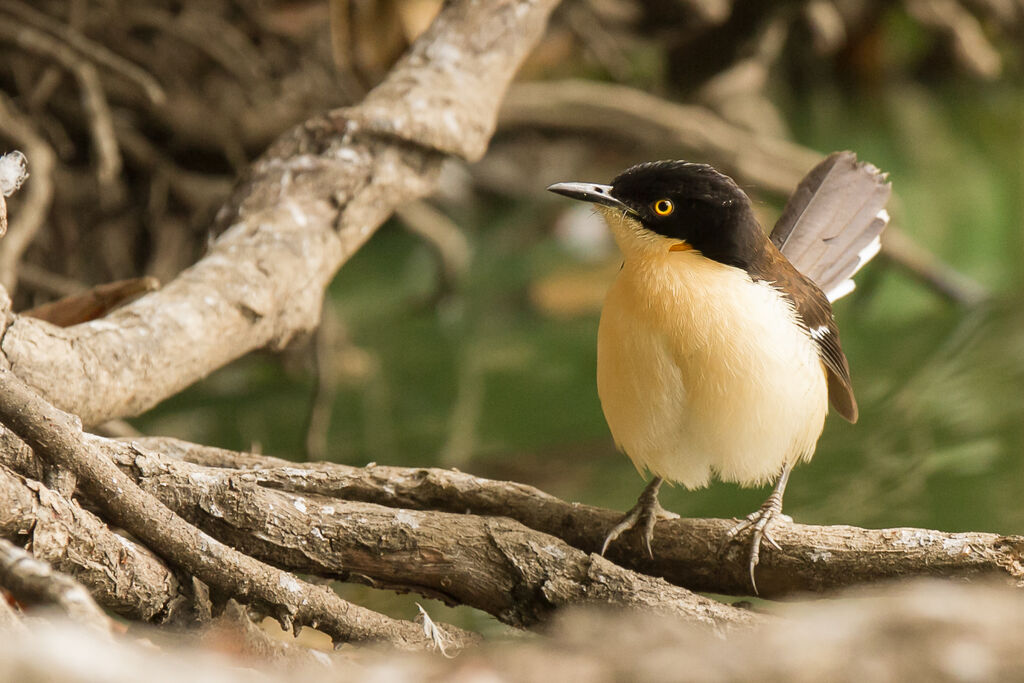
{"x":589,"y":192}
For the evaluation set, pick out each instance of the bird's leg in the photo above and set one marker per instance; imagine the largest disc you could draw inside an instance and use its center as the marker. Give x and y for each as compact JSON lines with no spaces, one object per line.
{"x":644,"y":515}
{"x":758,"y":521}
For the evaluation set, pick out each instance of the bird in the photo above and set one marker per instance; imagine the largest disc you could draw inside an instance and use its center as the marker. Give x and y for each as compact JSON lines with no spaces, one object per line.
{"x":717,"y":351}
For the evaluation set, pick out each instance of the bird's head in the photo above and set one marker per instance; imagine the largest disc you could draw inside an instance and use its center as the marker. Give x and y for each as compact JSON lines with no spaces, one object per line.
{"x":668,"y":206}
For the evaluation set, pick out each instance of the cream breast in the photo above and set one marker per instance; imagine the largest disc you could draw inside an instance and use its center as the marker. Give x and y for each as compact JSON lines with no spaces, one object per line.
{"x":702,"y":371}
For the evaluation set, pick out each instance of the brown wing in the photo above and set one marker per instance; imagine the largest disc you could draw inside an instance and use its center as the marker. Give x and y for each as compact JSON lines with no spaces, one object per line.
{"x":831,"y":224}
{"x":815,"y":312}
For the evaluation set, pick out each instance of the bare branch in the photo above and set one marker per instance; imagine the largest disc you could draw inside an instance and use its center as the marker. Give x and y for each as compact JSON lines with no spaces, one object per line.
{"x":313,"y":199}
{"x":615,"y":110}
{"x":31,"y":580}
{"x":57,"y":438}
{"x":970,"y":46}
{"x":491,"y":563}
{"x":101,"y":126}
{"x":89,"y":49}
{"x":687,"y":552}
{"x":121,"y":575}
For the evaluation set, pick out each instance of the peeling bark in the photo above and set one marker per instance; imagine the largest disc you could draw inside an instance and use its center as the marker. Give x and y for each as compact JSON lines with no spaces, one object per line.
{"x":57,"y":438}
{"x":687,"y":552}
{"x":122,"y":575}
{"x":492,"y":563}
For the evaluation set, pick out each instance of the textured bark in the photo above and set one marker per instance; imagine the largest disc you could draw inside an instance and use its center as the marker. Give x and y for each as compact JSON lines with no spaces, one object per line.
{"x":121,"y":575}
{"x":687,"y":552}
{"x":31,"y":580}
{"x":57,"y":438}
{"x":492,"y":563}
{"x":299,"y":213}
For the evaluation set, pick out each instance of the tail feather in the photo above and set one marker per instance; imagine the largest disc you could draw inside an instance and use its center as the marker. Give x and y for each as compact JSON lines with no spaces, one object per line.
{"x":830,"y":227}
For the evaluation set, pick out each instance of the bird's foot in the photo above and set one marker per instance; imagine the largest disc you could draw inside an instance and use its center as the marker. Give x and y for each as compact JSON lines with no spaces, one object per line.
{"x":642,"y":516}
{"x":758,"y":523}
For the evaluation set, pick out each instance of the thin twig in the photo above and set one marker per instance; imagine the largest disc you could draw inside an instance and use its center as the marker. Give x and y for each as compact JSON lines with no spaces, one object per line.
{"x":222,"y":41}
{"x":101,"y":126}
{"x":101,"y":130}
{"x":94,"y":51}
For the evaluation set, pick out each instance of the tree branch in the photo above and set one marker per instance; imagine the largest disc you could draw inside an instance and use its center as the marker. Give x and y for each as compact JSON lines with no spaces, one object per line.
{"x":492,"y":563}
{"x":687,"y":552}
{"x":121,"y":575}
{"x":57,"y":438}
{"x":31,"y":580}
{"x":300,"y":212}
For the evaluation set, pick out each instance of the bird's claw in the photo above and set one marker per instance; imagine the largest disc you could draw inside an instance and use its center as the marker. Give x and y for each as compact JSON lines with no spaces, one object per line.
{"x":643,"y":516}
{"x":758,"y":522}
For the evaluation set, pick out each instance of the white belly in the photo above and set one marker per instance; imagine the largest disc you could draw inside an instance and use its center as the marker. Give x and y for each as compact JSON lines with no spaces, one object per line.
{"x":701,"y":371}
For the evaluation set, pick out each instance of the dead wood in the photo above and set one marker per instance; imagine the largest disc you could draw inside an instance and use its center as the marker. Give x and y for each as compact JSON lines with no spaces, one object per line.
{"x":687,"y":552}
{"x":58,"y":440}
{"x":489,"y":562}
{"x":298,"y":214}
{"x":98,"y":301}
{"x":31,"y":580}
{"x":300,"y":211}
{"x":122,"y":575}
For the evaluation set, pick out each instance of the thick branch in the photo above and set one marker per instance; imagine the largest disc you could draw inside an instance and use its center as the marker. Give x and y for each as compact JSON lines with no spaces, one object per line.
{"x":686,"y":551}
{"x":492,"y":563}
{"x":57,"y":438}
{"x":313,"y":198}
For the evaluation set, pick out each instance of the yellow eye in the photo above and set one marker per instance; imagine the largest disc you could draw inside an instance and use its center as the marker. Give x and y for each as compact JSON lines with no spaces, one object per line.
{"x":663,"y":207}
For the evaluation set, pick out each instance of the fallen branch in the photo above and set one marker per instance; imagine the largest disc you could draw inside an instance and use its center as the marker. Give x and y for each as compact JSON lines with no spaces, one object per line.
{"x":123,"y":576}
{"x":687,"y":552}
{"x":495,"y":564}
{"x":57,"y":438}
{"x":31,"y":580}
